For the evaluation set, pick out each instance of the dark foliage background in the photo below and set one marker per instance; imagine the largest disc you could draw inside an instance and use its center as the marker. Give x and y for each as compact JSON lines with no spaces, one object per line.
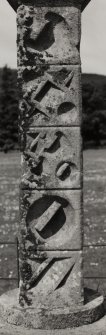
{"x":8,"y":109}
{"x":94,"y":110}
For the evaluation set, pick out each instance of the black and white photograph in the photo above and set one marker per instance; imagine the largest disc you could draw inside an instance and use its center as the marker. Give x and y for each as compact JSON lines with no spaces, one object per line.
{"x":53,"y":167}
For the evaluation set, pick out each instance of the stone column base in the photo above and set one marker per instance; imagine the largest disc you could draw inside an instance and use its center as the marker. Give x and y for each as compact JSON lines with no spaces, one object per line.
{"x":97,"y":328}
{"x":33,"y":317}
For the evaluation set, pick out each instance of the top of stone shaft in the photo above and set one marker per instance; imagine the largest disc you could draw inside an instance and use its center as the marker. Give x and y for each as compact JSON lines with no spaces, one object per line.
{"x":14,"y":4}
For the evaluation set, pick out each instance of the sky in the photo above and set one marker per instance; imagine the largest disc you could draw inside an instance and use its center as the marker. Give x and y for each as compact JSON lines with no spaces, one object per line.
{"x":93,"y":41}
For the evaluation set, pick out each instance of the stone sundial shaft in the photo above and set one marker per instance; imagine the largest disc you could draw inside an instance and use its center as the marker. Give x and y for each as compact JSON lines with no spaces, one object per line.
{"x":51,"y":293}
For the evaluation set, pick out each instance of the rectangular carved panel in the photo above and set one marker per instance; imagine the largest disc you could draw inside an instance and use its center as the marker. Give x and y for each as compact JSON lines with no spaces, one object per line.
{"x":48,"y":36}
{"x":50,"y":95}
{"x":52,"y":158}
{"x":53,"y":278}
{"x":51,"y":220}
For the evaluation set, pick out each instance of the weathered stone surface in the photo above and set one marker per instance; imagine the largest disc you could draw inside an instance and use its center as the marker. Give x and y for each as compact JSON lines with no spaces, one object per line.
{"x":51,"y":95}
{"x":50,"y":36}
{"x":97,"y":328}
{"x":57,"y":215}
{"x":50,"y":215}
{"x":51,"y":207}
{"x":10,"y":163}
{"x":12,"y":313}
{"x":51,"y":220}
{"x":53,"y":282}
{"x":52,"y":158}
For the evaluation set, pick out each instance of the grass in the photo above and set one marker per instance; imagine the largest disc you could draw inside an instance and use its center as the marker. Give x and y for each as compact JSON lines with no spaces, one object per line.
{"x":95,"y":197}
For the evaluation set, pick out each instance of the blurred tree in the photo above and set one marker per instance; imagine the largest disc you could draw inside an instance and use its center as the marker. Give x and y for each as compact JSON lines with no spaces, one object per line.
{"x":94,"y":110}
{"x":9,"y":110}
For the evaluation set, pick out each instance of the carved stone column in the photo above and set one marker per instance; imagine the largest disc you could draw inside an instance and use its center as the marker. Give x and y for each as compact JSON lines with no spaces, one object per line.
{"x":51,"y":185}
{"x":51,"y":226}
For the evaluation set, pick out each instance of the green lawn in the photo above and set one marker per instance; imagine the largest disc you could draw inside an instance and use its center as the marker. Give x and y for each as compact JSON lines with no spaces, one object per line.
{"x":95,"y":197}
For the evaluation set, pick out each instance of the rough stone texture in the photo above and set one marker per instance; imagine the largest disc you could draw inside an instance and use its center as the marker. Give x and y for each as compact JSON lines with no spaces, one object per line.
{"x":94,"y":221}
{"x":50,"y":36}
{"x":50,"y":219}
{"x":52,"y":158}
{"x":48,"y":319}
{"x":53,"y":218}
{"x":97,"y":328}
{"x":53,"y":281}
{"x":51,"y":95}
